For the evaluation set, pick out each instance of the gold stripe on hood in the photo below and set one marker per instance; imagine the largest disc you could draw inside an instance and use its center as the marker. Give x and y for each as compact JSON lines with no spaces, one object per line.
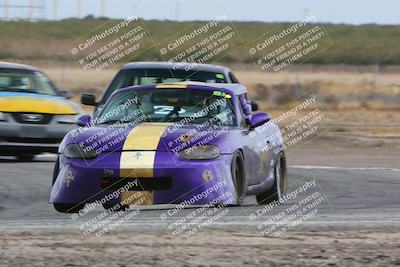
{"x":138,"y":156}
{"x":145,"y":136}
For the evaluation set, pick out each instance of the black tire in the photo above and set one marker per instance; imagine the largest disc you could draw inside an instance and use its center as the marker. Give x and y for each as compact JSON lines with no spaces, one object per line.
{"x":68,"y":208}
{"x":278,"y":188}
{"x":25,"y":157}
{"x":238,"y":177}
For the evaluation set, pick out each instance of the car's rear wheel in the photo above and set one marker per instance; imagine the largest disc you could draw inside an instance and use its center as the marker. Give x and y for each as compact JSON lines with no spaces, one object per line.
{"x":278,"y":188}
{"x":68,"y":208}
{"x":238,"y":177}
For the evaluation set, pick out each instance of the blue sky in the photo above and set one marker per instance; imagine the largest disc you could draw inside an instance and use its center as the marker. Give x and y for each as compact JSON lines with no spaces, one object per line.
{"x":338,"y":11}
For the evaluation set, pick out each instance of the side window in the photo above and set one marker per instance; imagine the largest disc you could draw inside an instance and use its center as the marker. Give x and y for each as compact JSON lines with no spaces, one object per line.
{"x":233,"y":78}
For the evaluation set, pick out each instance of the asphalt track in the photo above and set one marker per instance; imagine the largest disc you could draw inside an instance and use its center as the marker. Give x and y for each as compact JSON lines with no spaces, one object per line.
{"x":356,"y":197}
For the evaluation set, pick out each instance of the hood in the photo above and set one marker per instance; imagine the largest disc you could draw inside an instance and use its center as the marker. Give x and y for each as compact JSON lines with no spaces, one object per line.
{"x":35,"y":103}
{"x":176,"y":138}
{"x":162,"y":137}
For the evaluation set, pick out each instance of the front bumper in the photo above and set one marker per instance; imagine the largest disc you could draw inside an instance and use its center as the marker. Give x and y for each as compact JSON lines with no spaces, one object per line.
{"x":17,"y":138}
{"x":16,"y":148}
{"x":192,"y":182}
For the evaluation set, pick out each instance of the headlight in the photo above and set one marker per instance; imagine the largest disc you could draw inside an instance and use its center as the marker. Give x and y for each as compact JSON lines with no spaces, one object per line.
{"x":2,"y":116}
{"x":68,"y":118}
{"x":76,"y":151}
{"x":200,"y":152}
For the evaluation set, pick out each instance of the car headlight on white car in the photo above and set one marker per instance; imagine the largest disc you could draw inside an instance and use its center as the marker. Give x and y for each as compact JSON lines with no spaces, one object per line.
{"x":2,"y":116}
{"x":70,"y":119}
{"x":76,"y":151}
{"x":200,"y":152}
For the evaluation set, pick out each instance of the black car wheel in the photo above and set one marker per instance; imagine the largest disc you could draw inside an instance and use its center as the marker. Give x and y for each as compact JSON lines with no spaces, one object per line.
{"x":238,"y":177}
{"x":278,"y":188}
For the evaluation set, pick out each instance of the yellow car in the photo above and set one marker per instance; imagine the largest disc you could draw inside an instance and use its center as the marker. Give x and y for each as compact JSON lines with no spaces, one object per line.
{"x":34,"y":114}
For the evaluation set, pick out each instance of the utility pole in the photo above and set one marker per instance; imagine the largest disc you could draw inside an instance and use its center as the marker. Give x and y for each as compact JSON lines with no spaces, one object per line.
{"x":55,"y":7}
{"x":5,"y":10}
{"x":30,"y":9}
{"x":178,"y":11}
{"x":78,"y":3}
{"x":102,"y":8}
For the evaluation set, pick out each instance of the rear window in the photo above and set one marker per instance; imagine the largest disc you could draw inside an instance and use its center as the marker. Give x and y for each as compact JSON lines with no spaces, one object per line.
{"x":131,"y":77}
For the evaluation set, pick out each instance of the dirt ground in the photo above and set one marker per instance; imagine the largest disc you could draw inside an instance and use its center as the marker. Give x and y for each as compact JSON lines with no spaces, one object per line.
{"x":368,"y":247}
{"x":352,"y":139}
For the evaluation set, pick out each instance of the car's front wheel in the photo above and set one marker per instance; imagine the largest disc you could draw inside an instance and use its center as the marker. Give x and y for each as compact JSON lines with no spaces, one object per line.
{"x":278,"y":188}
{"x":238,"y":177}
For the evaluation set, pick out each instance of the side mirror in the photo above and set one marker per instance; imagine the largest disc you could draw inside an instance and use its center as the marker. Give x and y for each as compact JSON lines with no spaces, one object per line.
{"x":254,"y":105}
{"x":88,"y":99}
{"x":259,"y":119}
{"x":66,"y":94}
{"x":83,"y":121}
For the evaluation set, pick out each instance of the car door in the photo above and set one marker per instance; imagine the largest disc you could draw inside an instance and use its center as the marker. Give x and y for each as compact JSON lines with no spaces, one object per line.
{"x":265,"y":137}
{"x":260,"y":145}
{"x":252,"y":158}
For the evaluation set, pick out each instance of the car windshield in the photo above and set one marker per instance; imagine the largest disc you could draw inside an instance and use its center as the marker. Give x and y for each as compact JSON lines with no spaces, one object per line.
{"x":26,"y":82}
{"x":130,"y":77}
{"x":186,"y":106}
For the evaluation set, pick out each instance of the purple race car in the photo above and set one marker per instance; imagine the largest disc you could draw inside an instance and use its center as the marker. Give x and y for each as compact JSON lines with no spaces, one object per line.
{"x":184,"y":143}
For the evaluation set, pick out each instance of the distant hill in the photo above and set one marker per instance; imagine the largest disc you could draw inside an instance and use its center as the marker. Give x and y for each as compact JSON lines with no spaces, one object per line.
{"x":357,"y":45}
